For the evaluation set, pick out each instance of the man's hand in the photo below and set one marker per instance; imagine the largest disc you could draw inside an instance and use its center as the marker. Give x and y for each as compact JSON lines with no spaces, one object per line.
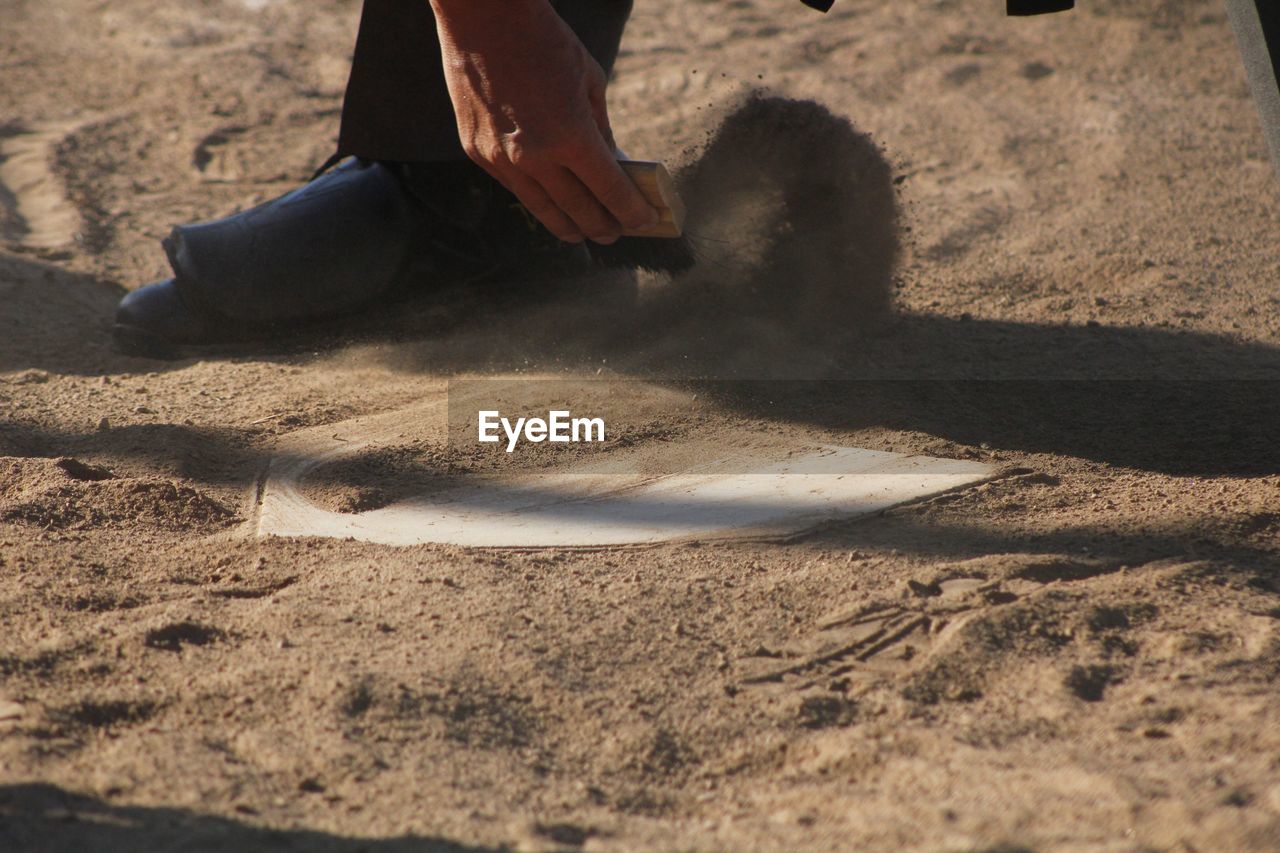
{"x":530,"y":106}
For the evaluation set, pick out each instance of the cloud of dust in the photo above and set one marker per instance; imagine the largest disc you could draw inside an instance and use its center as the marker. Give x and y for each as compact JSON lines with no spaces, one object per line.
{"x":793,"y":217}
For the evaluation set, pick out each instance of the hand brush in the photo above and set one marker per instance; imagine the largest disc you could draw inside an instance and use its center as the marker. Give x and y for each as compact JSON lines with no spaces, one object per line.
{"x":662,"y":247}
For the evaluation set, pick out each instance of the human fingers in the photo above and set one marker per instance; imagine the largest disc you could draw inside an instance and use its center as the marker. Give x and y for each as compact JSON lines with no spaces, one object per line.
{"x":577,"y":201}
{"x":537,"y":201}
{"x":610,"y":187}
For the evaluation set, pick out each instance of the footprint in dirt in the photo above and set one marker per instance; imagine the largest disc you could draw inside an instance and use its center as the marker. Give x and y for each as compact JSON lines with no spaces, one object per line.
{"x":35,"y":212}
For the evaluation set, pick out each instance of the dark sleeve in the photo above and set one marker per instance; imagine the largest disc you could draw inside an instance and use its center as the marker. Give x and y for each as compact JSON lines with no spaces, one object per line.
{"x":1016,"y":7}
{"x":1038,"y":7}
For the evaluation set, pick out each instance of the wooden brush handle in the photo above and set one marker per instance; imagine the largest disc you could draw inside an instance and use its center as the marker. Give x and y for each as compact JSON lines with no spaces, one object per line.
{"x":655,"y":184}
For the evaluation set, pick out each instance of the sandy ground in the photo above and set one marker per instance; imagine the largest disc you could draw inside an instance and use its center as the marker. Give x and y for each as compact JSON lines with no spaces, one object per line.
{"x":1082,"y":654}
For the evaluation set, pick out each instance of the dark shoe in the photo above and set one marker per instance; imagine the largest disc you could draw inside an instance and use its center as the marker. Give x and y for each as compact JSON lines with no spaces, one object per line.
{"x":154,"y":322}
{"x":328,"y":248}
{"x":359,"y":236}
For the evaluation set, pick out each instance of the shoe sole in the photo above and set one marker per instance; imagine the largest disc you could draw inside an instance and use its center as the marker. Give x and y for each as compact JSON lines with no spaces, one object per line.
{"x":139,"y":343}
{"x":386,"y":322}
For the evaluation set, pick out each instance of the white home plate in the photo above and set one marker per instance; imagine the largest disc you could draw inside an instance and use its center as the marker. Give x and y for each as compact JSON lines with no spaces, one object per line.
{"x":553,"y":508}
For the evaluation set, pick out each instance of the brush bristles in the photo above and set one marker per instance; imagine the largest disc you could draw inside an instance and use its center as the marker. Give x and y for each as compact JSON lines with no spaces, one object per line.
{"x":656,"y":254}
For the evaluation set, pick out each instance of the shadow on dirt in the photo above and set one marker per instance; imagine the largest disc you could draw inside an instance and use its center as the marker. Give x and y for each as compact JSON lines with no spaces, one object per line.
{"x":1189,"y":427}
{"x":55,"y":320}
{"x":1231,"y":545}
{"x":204,"y":454}
{"x":41,"y":818}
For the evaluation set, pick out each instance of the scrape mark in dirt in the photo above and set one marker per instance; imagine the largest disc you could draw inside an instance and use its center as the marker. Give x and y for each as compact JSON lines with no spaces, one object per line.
{"x":567,"y":834}
{"x":941,"y":620}
{"x":255,"y":591}
{"x":99,"y":602}
{"x":81,"y":158}
{"x":1066,"y":570}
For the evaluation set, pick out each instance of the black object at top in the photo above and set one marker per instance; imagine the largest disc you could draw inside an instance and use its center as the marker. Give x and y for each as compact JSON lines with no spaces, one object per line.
{"x":1038,"y":7}
{"x":1015,"y":7}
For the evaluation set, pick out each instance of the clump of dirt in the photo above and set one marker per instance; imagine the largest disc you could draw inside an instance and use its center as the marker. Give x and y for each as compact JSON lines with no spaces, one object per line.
{"x":19,"y":475}
{"x":379,"y":478}
{"x":174,"y":635}
{"x":77,"y":470}
{"x":69,"y":494}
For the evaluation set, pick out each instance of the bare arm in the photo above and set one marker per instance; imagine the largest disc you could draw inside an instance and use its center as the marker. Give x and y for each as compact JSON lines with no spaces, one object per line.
{"x":530,"y":106}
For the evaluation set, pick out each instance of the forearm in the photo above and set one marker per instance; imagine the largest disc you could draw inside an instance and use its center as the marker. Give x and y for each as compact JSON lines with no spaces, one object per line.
{"x":480,"y":22}
{"x":477,"y":36}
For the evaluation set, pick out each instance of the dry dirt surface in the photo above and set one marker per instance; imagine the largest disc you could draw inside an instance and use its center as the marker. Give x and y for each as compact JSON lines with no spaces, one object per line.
{"x":1049,"y":244}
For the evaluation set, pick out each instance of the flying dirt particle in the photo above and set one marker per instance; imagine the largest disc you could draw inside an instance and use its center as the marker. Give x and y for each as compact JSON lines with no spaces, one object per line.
{"x":794,"y":217}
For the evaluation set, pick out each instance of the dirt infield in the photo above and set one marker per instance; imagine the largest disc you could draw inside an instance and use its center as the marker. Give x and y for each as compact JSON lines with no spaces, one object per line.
{"x":1051,"y":245}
